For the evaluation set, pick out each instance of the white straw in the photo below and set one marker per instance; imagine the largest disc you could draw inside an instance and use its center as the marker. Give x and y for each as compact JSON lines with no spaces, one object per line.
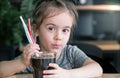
{"x":26,"y":30}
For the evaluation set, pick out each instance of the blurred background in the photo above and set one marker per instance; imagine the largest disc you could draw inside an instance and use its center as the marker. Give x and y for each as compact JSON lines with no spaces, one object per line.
{"x":97,"y":32}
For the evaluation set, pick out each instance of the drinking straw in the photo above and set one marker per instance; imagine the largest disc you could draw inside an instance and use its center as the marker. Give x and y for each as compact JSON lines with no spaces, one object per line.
{"x":29,"y":26}
{"x":26,"y":30}
{"x":30,"y":30}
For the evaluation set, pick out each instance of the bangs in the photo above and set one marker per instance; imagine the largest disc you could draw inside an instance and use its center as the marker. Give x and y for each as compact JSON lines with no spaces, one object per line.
{"x":52,"y":11}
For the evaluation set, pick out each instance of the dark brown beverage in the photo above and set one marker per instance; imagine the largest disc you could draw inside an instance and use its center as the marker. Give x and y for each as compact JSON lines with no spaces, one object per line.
{"x":40,"y":64}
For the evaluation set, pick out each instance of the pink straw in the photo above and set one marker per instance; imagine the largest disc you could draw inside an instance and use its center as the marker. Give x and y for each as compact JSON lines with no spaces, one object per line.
{"x":30,"y":30}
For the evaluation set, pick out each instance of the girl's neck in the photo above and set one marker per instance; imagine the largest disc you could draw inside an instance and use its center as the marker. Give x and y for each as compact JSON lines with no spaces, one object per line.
{"x":58,"y":55}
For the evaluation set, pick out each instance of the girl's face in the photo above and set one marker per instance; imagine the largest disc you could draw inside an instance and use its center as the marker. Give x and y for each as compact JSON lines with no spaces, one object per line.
{"x":54,"y":32}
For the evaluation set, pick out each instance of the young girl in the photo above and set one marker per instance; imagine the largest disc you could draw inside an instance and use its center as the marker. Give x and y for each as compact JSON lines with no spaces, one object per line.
{"x":53,"y":21}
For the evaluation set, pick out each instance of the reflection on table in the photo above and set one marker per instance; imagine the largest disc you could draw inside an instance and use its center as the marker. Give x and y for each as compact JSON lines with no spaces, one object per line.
{"x":31,"y":76}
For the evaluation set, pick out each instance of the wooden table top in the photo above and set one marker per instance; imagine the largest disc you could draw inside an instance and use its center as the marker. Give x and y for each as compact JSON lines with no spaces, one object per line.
{"x":105,"y":45}
{"x":31,"y":76}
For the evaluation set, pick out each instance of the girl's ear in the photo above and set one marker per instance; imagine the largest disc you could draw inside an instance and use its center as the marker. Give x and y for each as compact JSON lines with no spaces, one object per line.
{"x":35,"y":30}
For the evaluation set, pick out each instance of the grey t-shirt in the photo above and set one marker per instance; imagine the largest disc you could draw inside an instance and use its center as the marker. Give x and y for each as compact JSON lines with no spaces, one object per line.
{"x":71,"y":57}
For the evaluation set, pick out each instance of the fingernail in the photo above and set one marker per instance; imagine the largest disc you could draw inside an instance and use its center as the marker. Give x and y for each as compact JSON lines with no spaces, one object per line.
{"x":43,"y":76}
{"x":50,"y":63}
{"x":44,"y":71}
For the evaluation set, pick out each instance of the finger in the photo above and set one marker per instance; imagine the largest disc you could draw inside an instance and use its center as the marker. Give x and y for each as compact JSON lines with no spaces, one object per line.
{"x":32,"y":46}
{"x":36,"y":46}
{"x":32,"y":52}
{"x":50,"y":76}
{"x":53,"y":65}
{"x":49,"y":72}
{"x":29,"y":53}
{"x":27,"y":50}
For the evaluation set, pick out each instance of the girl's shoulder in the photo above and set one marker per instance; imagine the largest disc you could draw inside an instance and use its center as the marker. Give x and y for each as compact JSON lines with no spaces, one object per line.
{"x":72,"y":48}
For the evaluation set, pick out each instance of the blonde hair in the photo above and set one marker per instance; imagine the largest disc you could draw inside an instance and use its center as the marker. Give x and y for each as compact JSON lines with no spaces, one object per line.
{"x":49,"y":8}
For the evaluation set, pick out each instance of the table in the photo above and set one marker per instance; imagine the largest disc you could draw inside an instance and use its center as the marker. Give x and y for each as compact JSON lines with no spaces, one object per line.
{"x":105,"y":45}
{"x":111,"y":75}
{"x":30,"y":76}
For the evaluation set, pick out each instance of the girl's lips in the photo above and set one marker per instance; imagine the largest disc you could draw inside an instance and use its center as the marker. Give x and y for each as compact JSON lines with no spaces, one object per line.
{"x":56,"y":46}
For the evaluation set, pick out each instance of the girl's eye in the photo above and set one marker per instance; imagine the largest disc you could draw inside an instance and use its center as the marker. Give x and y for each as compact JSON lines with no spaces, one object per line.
{"x":51,"y":28}
{"x":66,"y":30}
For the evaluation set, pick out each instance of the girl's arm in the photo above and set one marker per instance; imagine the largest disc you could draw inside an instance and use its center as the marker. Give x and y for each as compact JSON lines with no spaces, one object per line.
{"x":8,"y":68}
{"x":90,"y":69}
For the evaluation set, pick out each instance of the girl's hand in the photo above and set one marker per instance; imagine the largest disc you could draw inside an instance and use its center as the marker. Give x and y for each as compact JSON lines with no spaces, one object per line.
{"x":57,"y":72}
{"x":29,"y":50}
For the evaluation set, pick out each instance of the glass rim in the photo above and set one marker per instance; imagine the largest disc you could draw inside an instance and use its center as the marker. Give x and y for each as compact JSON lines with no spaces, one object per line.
{"x":45,"y":54}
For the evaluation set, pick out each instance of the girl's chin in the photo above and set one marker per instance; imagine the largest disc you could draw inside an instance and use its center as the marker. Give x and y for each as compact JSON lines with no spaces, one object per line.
{"x":56,"y":50}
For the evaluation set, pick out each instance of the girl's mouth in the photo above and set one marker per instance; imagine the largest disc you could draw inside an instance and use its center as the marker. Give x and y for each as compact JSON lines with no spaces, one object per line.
{"x":56,"y":46}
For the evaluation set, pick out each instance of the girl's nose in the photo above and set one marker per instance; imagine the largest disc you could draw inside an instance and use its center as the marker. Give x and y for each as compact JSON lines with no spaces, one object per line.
{"x":58,"y":36}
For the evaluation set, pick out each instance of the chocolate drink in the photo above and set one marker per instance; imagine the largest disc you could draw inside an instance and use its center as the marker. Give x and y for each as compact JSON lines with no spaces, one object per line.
{"x":40,"y":64}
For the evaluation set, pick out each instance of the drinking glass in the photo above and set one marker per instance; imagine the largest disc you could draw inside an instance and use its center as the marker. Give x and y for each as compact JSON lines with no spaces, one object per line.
{"x":40,"y":61}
